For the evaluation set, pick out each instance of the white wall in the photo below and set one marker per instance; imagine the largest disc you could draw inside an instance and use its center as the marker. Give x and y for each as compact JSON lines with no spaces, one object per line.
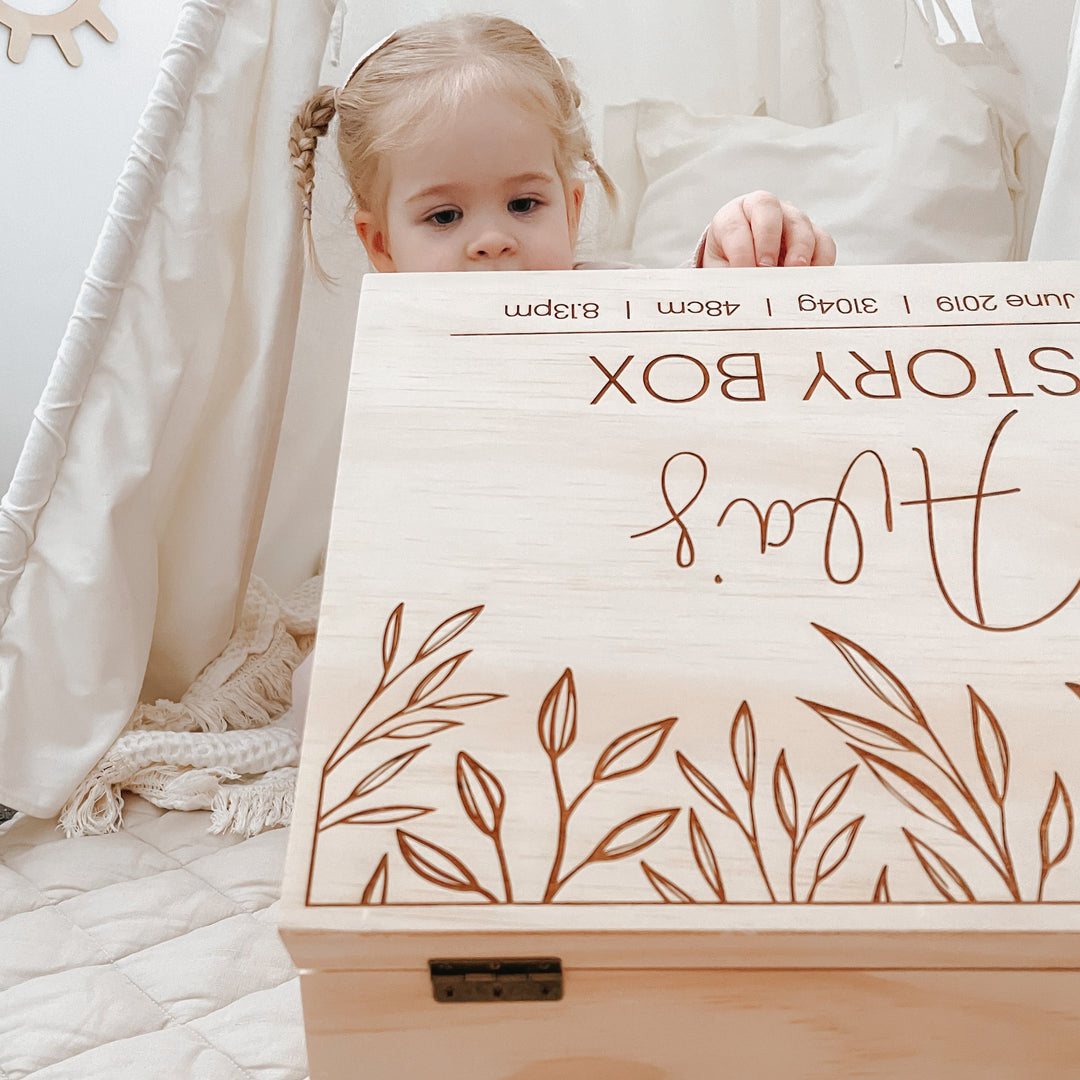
{"x":64,"y":135}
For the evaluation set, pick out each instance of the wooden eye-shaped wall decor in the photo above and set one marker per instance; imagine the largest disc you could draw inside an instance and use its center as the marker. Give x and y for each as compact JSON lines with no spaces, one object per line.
{"x":59,"y":26}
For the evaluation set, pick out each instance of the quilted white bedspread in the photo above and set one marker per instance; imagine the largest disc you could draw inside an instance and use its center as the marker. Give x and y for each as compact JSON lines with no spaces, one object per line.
{"x":147,"y":954}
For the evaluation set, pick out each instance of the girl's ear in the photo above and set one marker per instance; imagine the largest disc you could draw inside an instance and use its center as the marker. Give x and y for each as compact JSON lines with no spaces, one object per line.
{"x":575,"y":196}
{"x":374,"y":240}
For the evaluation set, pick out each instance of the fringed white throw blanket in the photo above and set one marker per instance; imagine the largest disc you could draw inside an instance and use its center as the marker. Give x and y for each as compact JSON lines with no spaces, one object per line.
{"x":218,"y":747}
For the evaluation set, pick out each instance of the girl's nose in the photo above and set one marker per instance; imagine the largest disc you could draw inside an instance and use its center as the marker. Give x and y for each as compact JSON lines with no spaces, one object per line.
{"x":491,"y":243}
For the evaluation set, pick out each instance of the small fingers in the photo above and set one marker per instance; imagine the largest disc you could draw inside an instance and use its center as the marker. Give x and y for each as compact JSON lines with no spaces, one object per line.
{"x":824,"y":248}
{"x":800,"y":239}
{"x":729,"y":241}
{"x":768,"y":225}
{"x":760,"y":230}
{"x":805,"y":243}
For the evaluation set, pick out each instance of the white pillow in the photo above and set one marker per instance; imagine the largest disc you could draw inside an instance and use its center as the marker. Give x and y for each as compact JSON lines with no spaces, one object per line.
{"x":922,"y":181}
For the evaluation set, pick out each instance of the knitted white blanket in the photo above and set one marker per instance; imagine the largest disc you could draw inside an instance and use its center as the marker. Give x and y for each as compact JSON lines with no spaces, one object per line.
{"x":219,"y":747}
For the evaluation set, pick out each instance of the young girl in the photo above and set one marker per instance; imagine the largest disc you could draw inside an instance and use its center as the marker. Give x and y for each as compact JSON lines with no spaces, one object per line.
{"x":464,"y":146}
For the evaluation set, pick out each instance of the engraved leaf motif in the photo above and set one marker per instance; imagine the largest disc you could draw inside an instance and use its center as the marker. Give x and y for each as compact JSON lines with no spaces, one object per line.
{"x":705,"y":787}
{"x":481,"y":794}
{"x":669,"y":892}
{"x":435,"y":678}
{"x":862,"y":729}
{"x":633,"y":751}
{"x":633,"y":835}
{"x":744,"y":746}
{"x":376,"y":889}
{"x":941,"y":872}
{"x":391,"y":637}
{"x":991,"y":748}
{"x":437,"y":865}
{"x":557,"y":723}
{"x":385,"y":772}
{"x":914,"y":793}
{"x":446,"y":631}
{"x":875,"y":676}
{"x":881,"y":889}
{"x":836,"y":851}
{"x":385,"y":815}
{"x":830,"y":798}
{"x":705,"y":857}
{"x":462,"y":701}
{"x":1056,"y":827}
{"x":787,"y":805}
{"x":420,"y":729}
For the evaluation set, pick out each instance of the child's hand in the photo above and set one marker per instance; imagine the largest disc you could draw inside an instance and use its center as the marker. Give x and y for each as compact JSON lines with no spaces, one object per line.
{"x":760,"y":230}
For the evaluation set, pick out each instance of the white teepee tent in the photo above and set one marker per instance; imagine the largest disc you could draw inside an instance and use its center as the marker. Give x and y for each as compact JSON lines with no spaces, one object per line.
{"x":130,"y":527}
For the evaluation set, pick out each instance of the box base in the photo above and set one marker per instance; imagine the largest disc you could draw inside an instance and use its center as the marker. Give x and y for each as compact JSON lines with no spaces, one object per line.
{"x":702,"y":1025}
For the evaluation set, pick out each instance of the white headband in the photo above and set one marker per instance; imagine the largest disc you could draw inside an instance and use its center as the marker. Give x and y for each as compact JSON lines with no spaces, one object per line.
{"x":366,"y":57}
{"x":382,"y":41}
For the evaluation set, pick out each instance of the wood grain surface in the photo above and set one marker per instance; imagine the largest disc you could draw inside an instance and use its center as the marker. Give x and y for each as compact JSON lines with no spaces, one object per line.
{"x":664,"y":604}
{"x":678,"y":1025}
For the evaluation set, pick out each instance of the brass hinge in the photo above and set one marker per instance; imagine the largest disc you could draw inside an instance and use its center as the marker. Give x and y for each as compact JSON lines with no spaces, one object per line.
{"x":497,"y":980}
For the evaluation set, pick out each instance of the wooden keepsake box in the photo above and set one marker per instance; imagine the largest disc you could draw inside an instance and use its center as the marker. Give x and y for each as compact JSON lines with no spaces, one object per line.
{"x":697,"y":688}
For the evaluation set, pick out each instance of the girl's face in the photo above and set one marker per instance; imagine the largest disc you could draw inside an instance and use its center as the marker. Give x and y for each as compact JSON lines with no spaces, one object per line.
{"x":479,"y":192}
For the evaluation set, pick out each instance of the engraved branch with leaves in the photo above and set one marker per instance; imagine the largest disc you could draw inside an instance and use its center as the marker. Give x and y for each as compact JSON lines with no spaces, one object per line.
{"x":743,"y":744}
{"x":483,"y":798}
{"x":628,"y":754}
{"x":413,"y":720}
{"x":948,"y":804}
{"x":905,"y":756}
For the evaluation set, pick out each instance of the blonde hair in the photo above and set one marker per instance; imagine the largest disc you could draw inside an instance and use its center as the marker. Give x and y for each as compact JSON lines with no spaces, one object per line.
{"x":423,"y":71}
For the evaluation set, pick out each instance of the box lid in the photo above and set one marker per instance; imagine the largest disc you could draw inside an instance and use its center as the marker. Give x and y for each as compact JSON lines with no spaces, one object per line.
{"x":701,"y":618}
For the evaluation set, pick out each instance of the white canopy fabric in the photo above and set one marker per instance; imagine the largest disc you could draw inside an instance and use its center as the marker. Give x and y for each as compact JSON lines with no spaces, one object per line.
{"x":130,"y":527}
{"x":1057,"y":228}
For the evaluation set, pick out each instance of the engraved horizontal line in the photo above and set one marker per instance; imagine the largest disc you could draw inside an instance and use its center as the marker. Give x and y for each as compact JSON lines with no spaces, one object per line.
{"x":757,"y":329}
{"x":726,"y":905}
{"x":794,"y":969}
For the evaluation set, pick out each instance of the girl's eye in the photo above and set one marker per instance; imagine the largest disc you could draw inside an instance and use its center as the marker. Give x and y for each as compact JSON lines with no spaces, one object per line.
{"x":445,"y":217}
{"x":522,"y":205}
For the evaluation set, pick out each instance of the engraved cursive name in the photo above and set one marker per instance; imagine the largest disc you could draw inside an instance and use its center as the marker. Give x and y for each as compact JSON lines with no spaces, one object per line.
{"x":685,"y":475}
